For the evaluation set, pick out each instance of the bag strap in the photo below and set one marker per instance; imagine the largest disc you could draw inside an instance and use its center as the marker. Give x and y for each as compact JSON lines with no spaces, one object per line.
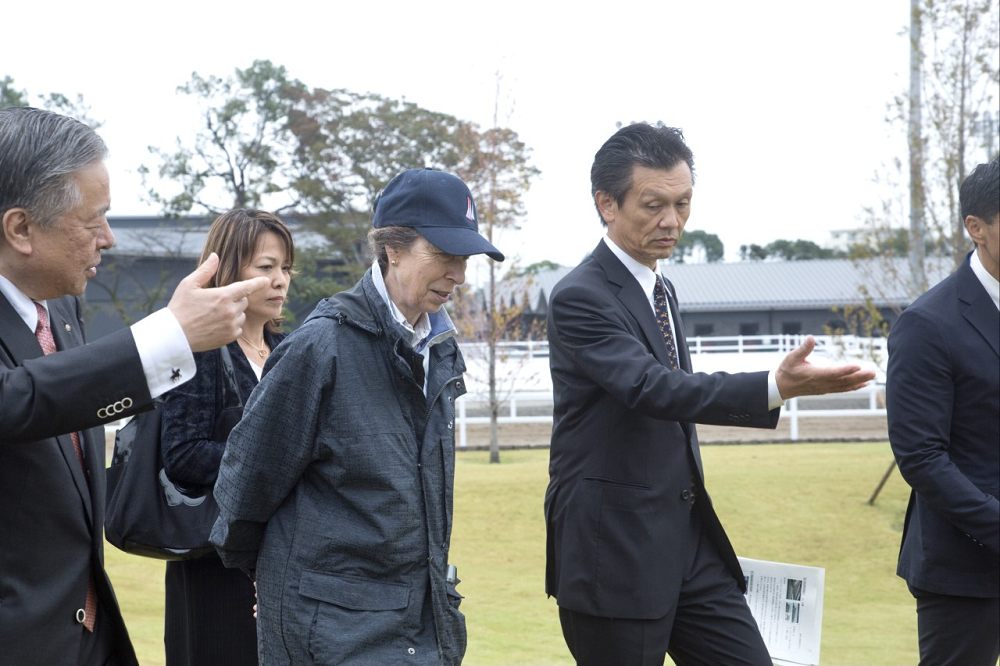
{"x":227,"y":375}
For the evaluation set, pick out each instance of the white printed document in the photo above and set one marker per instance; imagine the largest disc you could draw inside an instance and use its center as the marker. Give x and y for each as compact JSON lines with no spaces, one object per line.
{"x":786,"y":600}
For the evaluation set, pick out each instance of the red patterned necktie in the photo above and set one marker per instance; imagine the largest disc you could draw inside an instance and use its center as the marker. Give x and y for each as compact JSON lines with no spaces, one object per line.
{"x":663,"y":319}
{"x":44,"y":334}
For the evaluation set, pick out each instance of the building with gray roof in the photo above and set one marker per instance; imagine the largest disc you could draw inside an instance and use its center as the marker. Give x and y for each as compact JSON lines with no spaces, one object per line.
{"x":765,"y":297}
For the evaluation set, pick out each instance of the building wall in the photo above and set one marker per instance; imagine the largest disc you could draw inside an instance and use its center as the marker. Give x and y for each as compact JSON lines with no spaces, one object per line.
{"x":768,"y":322}
{"x":126,"y":289}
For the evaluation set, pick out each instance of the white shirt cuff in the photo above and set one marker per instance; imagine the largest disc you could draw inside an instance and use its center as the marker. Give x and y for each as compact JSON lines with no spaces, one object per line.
{"x":164,"y":351}
{"x":773,"y":396}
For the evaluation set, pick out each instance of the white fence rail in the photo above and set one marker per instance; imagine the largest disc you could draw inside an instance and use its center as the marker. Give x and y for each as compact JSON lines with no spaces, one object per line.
{"x":792,"y":411}
{"x":525,"y":364}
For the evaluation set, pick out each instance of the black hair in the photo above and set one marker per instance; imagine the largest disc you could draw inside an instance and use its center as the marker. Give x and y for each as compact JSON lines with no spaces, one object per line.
{"x":639,"y":144}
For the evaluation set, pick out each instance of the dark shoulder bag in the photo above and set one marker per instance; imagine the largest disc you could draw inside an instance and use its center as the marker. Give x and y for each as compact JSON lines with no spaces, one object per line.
{"x":149,"y":515}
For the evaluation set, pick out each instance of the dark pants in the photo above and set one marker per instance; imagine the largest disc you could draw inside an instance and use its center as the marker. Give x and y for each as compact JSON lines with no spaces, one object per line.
{"x":957,"y":631}
{"x":710,"y":624}
{"x":208,"y":618}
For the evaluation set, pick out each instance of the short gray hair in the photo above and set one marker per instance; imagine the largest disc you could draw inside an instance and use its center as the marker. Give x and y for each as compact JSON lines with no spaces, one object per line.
{"x":399,"y":238}
{"x":39,"y":153}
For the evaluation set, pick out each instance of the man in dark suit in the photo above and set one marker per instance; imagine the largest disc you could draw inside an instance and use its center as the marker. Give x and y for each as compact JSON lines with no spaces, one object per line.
{"x":636,"y":556}
{"x":943,"y":401}
{"x":57,"y":606}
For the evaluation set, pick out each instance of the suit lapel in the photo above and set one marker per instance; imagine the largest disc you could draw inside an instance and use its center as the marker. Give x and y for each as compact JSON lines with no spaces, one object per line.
{"x":981,"y":312}
{"x":19,"y":342}
{"x":67,"y":332}
{"x":636,"y":303}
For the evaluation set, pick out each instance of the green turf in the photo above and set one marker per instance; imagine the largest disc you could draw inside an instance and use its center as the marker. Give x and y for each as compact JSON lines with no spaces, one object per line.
{"x":803,"y":503}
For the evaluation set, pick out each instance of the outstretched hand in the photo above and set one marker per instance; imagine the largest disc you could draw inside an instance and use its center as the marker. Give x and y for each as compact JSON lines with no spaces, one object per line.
{"x":211,"y":318}
{"x":796,"y":376}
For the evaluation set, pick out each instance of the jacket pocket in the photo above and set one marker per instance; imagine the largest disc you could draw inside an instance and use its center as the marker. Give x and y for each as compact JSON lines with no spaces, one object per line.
{"x":354,"y":593}
{"x":620,"y":484}
{"x":360,"y":621}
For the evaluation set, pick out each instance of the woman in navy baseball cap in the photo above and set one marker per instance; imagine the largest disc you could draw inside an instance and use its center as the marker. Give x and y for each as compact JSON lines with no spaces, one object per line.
{"x":336,"y":488}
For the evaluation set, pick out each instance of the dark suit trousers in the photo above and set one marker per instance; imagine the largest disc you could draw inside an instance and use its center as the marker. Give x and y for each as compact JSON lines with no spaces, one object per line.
{"x":957,"y":631}
{"x":710,"y":625}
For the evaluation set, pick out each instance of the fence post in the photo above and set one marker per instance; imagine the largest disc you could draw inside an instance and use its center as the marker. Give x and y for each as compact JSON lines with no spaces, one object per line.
{"x":793,"y":418}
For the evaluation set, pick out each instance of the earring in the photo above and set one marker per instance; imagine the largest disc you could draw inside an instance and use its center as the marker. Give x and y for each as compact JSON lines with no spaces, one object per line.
{"x":393,"y":262}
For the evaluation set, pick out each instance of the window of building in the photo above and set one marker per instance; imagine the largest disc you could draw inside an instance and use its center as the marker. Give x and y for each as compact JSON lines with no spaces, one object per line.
{"x":702,"y":330}
{"x":752,"y":328}
{"x":791,"y":327}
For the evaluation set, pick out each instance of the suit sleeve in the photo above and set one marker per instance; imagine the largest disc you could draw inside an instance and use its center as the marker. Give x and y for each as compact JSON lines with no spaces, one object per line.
{"x":595,"y":342}
{"x":920,"y":398}
{"x":68,"y":391}
{"x":271,"y":447}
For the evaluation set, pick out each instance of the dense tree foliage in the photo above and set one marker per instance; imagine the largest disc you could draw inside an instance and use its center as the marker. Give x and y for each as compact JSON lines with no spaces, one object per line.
{"x":58,"y":102}
{"x":788,"y":250}
{"x":698,"y":246}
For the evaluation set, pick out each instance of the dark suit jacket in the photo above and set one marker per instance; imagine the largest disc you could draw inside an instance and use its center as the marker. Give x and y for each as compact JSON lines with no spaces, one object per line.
{"x":943,"y":401}
{"x":624,"y":447}
{"x":51,"y":520}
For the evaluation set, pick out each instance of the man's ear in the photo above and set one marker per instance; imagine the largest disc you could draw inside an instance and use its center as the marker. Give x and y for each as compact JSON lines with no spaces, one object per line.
{"x":18,"y":228}
{"x":607,"y":206}
{"x":976,"y":227}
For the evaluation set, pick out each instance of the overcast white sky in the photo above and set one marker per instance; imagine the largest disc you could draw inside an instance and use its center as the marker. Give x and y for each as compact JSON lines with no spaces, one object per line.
{"x":783,"y":101}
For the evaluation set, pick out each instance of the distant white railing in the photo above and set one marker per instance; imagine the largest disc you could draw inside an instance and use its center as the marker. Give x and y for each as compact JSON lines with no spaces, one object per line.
{"x":709,"y":354}
{"x":831,"y":345}
{"x":792,"y":410}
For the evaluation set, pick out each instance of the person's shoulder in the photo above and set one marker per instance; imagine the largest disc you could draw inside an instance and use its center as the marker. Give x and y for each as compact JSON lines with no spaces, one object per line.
{"x":930,"y":302}
{"x":587,"y":274}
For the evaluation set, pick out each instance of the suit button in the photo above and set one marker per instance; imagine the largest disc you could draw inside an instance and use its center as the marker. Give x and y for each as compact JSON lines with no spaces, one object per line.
{"x":685,"y":494}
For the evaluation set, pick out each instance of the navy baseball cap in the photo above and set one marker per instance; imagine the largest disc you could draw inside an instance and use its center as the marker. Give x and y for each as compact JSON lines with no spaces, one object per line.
{"x":439,"y":206}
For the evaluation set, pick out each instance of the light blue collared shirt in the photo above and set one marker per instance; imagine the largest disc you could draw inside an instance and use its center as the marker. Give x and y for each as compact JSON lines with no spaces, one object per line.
{"x":430,"y":329}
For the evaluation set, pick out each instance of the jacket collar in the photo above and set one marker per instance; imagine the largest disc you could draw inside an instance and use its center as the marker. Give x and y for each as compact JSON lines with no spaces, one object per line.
{"x":632,"y":297}
{"x":980,"y":311}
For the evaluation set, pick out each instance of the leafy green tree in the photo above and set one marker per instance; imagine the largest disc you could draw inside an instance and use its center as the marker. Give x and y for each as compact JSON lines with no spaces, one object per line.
{"x":788,"y":250}
{"x":11,"y":96}
{"x":350,"y":145}
{"x":698,"y":246}
{"x":58,"y":102}
{"x":270,"y":141}
{"x":535,"y":268}
{"x":244,"y":153}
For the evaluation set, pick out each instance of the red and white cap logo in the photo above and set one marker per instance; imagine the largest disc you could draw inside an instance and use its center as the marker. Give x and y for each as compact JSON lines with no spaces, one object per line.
{"x":470,"y":214}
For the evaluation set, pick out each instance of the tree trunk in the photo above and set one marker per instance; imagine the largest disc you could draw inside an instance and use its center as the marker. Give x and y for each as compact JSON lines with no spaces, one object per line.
{"x":492,"y":346}
{"x":916,"y":250}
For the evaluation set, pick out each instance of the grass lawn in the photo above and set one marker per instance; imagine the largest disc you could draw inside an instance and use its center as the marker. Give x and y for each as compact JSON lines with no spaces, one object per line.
{"x":803,"y":504}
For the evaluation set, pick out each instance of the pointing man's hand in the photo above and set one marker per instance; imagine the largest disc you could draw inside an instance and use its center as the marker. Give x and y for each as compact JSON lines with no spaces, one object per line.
{"x":211,"y":318}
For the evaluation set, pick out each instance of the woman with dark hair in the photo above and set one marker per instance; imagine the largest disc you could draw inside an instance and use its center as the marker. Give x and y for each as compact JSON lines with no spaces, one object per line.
{"x":348,"y":529}
{"x":209,"y":609}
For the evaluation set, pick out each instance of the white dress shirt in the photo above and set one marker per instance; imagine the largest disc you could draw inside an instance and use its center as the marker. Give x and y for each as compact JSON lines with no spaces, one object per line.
{"x":166,"y":357}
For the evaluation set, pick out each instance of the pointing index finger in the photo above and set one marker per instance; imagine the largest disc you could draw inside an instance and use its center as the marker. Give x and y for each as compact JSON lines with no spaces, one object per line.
{"x":239,"y":290}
